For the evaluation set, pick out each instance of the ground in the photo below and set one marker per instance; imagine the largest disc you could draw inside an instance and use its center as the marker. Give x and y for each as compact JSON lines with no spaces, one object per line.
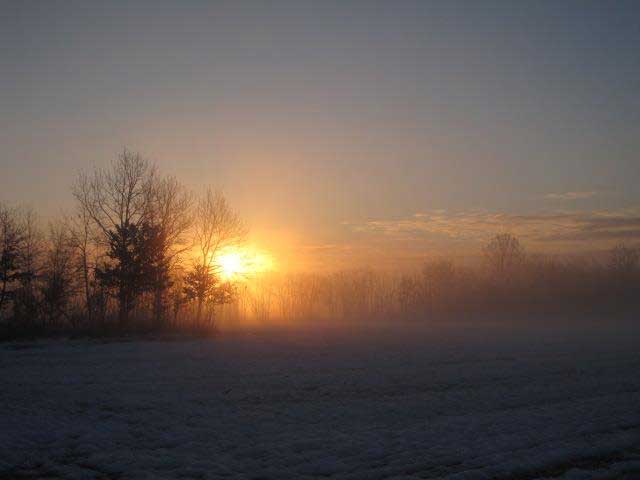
{"x":443,"y":402}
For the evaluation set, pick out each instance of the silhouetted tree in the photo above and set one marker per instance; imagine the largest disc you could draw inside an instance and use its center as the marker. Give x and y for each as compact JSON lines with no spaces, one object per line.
{"x":25,"y":309}
{"x":57,"y":285}
{"x":624,"y":262}
{"x":134,"y":265}
{"x":624,"y":259}
{"x":408,"y":292}
{"x":206,"y":288}
{"x":81,"y":236}
{"x":216,"y":227}
{"x":11,"y":239}
{"x":119,"y":201}
{"x":177,"y":295}
{"x":438,"y":279}
{"x":170,"y":220}
{"x":504,"y":254}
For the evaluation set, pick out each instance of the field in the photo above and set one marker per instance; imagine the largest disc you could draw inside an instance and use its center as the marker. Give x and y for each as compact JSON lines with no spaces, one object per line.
{"x":447,"y":403}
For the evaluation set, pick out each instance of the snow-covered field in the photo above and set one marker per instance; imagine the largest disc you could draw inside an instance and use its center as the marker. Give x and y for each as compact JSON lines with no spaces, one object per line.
{"x":454,"y":403}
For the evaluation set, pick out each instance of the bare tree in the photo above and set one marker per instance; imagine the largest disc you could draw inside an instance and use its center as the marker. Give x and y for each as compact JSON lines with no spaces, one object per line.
{"x":11,"y":238}
{"x":624,"y":262}
{"x":503,"y":254}
{"x":407,"y":294}
{"x":30,"y":255}
{"x":438,"y":280}
{"x":119,"y":202}
{"x":171,"y":219}
{"x":216,"y":227}
{"x":81,"y":238}
{"x":57,"y":285}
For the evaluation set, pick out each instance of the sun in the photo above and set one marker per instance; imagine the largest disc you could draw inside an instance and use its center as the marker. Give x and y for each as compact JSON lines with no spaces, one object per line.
{"x":230,"y":264}
{"x":239,"y":263}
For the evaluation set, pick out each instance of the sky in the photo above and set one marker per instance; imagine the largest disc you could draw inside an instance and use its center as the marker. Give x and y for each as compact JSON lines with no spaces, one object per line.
{"x":344,"y":132}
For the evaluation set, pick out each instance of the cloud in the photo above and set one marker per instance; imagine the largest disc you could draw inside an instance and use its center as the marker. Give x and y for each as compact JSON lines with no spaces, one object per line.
{"x":405,"y":242}
{"x":442,"y":228}
{"x":570,"y":195}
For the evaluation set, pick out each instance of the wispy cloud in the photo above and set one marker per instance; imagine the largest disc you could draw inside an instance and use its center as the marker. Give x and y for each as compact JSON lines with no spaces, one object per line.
{"x":570,"y":195}
{"x":476,"y":226}
{"x":401,"y":242}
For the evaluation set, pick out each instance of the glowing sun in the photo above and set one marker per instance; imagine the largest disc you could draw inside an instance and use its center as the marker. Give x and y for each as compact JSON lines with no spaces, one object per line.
{"x":233,"y":264}
{"x":230,"y":264}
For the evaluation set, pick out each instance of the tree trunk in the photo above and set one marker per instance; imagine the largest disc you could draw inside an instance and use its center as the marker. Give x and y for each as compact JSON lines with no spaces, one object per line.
{"x":199,"y":311}
{"x":123,"y":309}
{"x":3,"y":294}
{"x":158,"y":308}
{"x":87,"y":291}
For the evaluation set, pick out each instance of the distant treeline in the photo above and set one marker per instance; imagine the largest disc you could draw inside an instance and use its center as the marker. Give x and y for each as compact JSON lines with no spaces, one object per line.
{"x":508,"y":286}
{"x":138,"y":255}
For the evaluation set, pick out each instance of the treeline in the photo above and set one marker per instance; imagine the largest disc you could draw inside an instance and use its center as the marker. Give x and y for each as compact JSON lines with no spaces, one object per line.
{"x":137,"y":254}
{"x":508,"y":285}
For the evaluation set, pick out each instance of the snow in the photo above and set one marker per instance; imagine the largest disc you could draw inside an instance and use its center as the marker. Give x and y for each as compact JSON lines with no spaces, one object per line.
{"x":446,"y":403}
